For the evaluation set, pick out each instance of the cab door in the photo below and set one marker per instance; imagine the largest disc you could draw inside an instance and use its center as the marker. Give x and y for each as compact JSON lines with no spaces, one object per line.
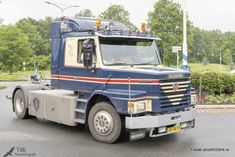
{"x":72,"y":73}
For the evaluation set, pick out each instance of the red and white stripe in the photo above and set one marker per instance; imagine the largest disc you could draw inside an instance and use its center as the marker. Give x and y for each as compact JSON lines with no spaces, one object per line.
{"x":107,"y":80}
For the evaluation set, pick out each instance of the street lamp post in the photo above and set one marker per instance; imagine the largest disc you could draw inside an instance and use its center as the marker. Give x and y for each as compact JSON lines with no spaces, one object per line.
{"x":61,"y":8}
{"x":185,"y":51}
{"x":220,"y":60}
{"x":1,"y":19}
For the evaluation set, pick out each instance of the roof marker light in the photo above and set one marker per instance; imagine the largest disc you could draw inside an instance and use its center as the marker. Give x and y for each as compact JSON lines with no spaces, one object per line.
{"x":143,"y":27}
{"x":98,"y":23}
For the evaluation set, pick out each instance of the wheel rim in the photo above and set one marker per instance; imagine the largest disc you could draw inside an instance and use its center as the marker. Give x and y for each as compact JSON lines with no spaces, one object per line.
{"x":103,"y":123}
{"x":19,"y":104}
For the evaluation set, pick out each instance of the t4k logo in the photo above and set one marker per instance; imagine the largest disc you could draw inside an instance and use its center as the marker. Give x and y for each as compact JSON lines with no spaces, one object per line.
{"x":9,"y":153}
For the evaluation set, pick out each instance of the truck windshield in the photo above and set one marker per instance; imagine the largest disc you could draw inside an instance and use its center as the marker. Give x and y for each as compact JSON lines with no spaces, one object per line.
{"x":129,"y":51}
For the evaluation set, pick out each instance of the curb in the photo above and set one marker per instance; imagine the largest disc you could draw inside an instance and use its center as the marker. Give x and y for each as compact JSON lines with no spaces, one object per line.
{"x":215,"y":106}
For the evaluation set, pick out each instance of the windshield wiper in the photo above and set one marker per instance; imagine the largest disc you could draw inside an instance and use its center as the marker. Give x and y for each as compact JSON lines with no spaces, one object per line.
{"x":147,"y":63}
{"x":119,"y":63}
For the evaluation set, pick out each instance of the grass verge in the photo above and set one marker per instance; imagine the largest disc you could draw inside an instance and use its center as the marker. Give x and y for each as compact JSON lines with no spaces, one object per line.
{"x":21,"y":75}
{"x":197,"y":67}
{"x":2,"y":87}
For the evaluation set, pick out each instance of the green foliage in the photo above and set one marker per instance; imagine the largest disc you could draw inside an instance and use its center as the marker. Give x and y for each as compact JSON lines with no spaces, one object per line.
{"x":41,"y":62}
{"x":209,"y":45}
{"x":38,"y":32}
{"x":220,"y":99}
{"x":35,"y":39}
{"x":2,"y":66}
{"x":166,"y":21}
{"x":85,"y":13}
{"x":14,"y":47}
{"x":227,"y":82}
{"x":195,"y":79}
{"x":205,"y":61}
{"x":227,"y":57}
{"x":213,"y":83}
{"x":117,"y":13}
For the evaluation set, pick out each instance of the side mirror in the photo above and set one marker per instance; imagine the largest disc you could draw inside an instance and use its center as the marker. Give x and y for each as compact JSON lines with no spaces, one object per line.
{"x":88,"y":47}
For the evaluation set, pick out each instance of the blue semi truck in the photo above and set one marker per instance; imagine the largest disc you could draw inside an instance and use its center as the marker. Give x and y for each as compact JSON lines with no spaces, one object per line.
{"x":111,"y":79}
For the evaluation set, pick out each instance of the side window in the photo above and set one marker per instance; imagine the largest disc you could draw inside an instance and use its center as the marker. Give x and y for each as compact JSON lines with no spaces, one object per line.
{"x":70,"y":53}
{"x":80,"y":52}
{"x":74,"y":52}
{"x":80,"y":55}
{"x":69,"y":27}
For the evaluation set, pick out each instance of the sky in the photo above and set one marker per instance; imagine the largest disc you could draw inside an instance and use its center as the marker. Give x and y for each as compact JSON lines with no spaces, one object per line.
{"x":205,"y":14}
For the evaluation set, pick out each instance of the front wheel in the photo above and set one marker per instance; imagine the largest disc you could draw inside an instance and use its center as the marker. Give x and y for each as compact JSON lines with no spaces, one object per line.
{"x":19,"y":103}
{"x":104,"y":123}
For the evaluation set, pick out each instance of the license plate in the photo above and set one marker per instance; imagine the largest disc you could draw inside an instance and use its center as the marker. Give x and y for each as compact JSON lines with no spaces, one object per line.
{"x":173,"y":129}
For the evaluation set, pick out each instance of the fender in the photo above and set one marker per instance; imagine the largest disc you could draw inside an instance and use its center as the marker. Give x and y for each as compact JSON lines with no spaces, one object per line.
{"x":118,"y":98}
{"x":25,"y":88}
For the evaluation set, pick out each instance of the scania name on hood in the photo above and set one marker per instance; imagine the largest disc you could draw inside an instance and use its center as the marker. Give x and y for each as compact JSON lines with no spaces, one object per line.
{"x":172,"y":76}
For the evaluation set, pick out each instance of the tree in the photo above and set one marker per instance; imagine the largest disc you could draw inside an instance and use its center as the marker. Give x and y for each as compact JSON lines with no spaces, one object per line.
{"x":197,"y":46}
{"x":117,"y":13}
{"x":230,"y":38}
{"x":166,"y":20}
{"x":14,"y":47}
{"x":42,"y":30}
{"x":43,"y":27}
{"x":35,"y":39}
{"x":209,"y":44}
{"x":227,"y":57}
{"x":85,"y":13}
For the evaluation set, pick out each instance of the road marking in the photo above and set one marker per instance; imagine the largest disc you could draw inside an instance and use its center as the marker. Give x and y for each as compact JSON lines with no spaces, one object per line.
{"x":215,"y":110}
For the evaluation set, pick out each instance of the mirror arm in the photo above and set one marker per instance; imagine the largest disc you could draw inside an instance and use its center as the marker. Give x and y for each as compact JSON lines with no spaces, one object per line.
{"x":92,"y":68}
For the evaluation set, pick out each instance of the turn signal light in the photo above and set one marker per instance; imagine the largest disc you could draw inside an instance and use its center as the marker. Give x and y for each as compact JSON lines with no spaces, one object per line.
{"x":131,"y":105}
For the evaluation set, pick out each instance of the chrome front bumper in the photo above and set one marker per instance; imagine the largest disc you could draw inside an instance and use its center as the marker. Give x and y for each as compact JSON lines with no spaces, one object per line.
{"x":149,"y":121}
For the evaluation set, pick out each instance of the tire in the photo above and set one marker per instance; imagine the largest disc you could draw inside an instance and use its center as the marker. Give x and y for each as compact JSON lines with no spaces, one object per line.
{"x":20,"y":107}
{"x":104,"y":123}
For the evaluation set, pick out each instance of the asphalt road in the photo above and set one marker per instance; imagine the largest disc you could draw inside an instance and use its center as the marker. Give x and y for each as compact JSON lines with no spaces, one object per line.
{"x":214,"y":135}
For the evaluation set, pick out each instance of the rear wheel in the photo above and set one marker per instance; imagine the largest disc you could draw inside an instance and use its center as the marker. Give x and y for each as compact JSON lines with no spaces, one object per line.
{"x":19,"y":103}
{"x":104,"y":123}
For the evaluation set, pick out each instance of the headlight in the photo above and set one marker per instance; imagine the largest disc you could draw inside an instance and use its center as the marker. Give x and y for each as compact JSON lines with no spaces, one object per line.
{"x":193,"y":99}
{"x":139,"y":106}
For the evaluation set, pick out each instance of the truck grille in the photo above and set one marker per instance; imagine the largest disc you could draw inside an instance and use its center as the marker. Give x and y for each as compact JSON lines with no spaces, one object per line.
{"x":174,"y":92}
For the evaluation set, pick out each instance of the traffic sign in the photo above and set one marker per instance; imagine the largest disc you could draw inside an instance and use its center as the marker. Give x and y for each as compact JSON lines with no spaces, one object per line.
{"x":175,"y":49}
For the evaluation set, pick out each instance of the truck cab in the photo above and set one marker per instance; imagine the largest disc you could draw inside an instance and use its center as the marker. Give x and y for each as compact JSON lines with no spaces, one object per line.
{"x":111,"y":79}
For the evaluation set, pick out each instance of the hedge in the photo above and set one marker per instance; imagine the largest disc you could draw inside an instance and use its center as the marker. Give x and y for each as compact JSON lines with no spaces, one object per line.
{"x":214,"y":83}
